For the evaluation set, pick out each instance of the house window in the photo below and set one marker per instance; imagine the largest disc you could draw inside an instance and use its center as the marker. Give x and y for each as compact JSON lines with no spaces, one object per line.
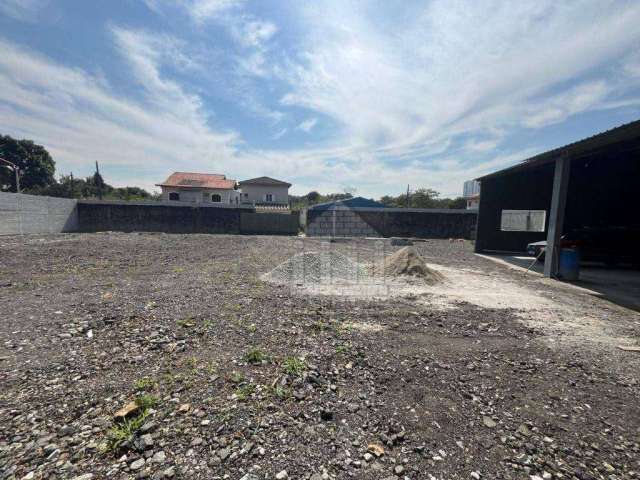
{"x":523,"y":220}
{"x":216,"y":198}
{"x":174,"y":196}
{"x":269,"y":197}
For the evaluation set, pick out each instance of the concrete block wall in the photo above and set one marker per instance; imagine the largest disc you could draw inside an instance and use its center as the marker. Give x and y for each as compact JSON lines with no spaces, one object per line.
{"x":391,"y":222}
{"x":95,"y":216}
{"x":269,"y":223}
{"x":28,"y":214}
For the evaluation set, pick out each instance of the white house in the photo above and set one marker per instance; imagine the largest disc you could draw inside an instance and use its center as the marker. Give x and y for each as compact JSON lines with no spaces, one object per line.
{"x":200,"y":188}
{"x":265,"y":190}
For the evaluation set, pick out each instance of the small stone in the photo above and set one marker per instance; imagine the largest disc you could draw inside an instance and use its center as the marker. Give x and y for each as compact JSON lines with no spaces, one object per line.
{"x":159,"y":457}
{"x":376,"y":449}
{"x":137,"y":465}
{"x":169,"y":472}
{"x":368,"y":457}
{"x":184,"y":408}
{"x":475,"y":475}
{"x":282,"y":475}
{"x":84,"y":476}
{"x":148,"y":427}
{"x":126,"y":411}
{"x":250,"y":476}
{"x":144,"y":442}
{"x":326,"y":415}
{"x":488,"y":422}
{"x":28,"y":476}
{"x":398,"y":470}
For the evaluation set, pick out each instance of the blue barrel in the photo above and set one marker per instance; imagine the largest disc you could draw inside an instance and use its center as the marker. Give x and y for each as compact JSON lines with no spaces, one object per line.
{"x":569,"y":265}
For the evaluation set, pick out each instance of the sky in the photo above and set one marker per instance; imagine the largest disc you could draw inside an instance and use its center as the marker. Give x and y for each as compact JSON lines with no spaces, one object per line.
{"x":336,"y":95}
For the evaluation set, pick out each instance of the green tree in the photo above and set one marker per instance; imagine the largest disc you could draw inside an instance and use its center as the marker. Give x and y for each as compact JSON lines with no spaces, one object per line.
{"x":36,"y":166}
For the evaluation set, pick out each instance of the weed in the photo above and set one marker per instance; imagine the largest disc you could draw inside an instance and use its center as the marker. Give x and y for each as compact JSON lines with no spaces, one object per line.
{"x":145,"y":401}
{"x":236,"y":377}
{"x":207,"y":324}
{"x":125,"y":431}
{"x":280,"y":392}
{"x":251,"y":328}
{"x":244,"y":391}
{"x":185,"y":322}
{"x":344,"y":348}
{"x":320,"y":326}
{"x":145,"y":383}
{"x":255,"y":355}
{"x":294,"y":366}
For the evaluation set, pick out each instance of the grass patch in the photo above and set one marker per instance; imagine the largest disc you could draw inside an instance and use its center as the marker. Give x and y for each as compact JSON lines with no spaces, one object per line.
{"x":280,"y":392}
{"x":255,"y":355}
{"x":243,"y":392}
{"x":145,"y":383}
{"x":186,"y":322}
{"x":125,"y":431}
{"x":236,"y":377}
{"x":344,"y":348}
{"x":294,"y":366}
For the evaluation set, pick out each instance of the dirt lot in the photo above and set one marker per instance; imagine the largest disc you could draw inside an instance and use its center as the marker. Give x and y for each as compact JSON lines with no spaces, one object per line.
{"x":489,"y":375}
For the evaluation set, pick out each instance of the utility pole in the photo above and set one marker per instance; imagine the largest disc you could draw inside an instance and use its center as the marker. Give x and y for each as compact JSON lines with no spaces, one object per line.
{"x":16,"y":171}
{"x":99,"y":181}
{"x":407,"y":195}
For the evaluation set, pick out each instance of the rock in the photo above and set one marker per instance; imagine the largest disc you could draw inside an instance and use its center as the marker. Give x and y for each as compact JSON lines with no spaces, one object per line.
{"x":282,"y":475}
{"x":488,"y":422}
{"x":475,"y":475}
{"x":148,"y":427}
{"x":159,"y":457}
{"x":137,"y":465}
{"x":84,"y":476}
{"x":368,"y":457}
{"x":169,"y":472}
{"x":127,"y":411}
{"x":376,"y":449}
{"x":28,"y":476}
{"x":398,"y":470}
{"x":184,"y":408}
{"x":250,"y":476}
{"x":326,"y":415}
{"x":144,"y":442}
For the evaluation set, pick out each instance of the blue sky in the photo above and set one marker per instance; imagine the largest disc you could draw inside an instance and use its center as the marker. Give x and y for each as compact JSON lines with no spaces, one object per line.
{"x":329,"y":95}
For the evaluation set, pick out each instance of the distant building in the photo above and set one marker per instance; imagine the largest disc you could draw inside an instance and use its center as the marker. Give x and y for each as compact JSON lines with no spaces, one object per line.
{"x":265,"y":191}
{"x":200,"y":188}
{"x":471,"y":193}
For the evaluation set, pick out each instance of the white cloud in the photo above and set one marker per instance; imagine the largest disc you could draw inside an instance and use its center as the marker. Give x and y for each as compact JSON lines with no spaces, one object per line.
{"x":199,"y":11}
{"x":23,"y":10}
{"x":452,"y":68}
{"x":80,"y":119}
{"x":307,"y":125}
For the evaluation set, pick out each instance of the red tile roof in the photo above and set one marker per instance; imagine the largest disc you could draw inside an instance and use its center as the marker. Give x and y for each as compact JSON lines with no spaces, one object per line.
{"x":198,"y":180}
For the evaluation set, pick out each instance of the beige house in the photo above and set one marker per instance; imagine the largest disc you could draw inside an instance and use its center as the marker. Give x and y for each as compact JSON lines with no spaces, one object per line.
{"x":265,"y":190}
{"x":200,"y":188}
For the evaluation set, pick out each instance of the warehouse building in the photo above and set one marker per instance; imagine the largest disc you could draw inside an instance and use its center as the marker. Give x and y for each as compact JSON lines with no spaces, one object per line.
{"x":588,"y":190}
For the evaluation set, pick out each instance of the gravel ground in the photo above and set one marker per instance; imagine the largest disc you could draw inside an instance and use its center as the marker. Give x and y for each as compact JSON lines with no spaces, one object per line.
{"x":223,"y":375}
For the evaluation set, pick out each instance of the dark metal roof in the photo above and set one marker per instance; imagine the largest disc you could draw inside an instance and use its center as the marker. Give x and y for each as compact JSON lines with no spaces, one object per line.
{"x":356,"y":202}
{"x":264,"y":181}
{"x":628,"y":131}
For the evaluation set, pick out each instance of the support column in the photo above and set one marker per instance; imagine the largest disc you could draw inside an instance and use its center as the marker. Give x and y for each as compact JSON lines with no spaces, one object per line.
{"x":556,"y":215}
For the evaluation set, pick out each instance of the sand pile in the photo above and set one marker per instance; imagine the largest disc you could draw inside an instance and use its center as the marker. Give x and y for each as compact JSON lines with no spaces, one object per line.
{"x":317,"y":268}
{"x":408,"y":262}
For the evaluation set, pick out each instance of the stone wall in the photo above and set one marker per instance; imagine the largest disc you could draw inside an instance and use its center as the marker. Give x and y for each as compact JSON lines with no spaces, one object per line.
{"x":23,"y":214}
{"x":391,"y":222}
{"x":97,"y":216}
